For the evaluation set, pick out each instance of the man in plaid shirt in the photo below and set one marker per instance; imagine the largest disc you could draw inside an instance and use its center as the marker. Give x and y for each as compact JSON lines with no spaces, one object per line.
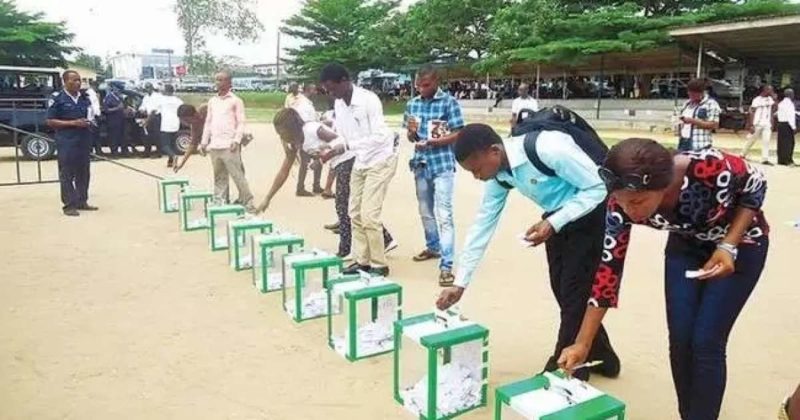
{"x":698,"y":119}
{"x":432,"y":119}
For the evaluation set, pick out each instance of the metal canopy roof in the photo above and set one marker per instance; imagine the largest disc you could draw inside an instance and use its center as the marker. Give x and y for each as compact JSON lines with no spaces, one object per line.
{"x":773,"y":41}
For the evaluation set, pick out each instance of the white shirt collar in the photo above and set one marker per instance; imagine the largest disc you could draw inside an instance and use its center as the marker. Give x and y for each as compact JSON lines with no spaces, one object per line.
{"x":74,"y":98}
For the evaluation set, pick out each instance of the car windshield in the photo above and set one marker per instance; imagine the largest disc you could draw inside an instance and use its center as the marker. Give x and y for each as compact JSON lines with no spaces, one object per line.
{"x":26,"y":84}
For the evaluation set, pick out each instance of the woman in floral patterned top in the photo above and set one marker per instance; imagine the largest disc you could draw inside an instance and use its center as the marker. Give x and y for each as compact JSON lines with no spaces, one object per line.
{"x":710,"y":202}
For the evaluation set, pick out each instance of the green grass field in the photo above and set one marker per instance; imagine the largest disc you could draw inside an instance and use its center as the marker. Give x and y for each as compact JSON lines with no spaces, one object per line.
{"x":262,"y":106}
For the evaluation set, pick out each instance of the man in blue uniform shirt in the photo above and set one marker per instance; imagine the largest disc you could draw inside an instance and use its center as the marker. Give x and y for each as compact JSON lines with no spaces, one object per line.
{"x":70,"y":115}
{"x":115,"y":119}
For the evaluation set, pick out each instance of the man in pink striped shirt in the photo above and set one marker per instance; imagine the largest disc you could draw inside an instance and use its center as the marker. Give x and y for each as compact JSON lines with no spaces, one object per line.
{"x":222,"y":137}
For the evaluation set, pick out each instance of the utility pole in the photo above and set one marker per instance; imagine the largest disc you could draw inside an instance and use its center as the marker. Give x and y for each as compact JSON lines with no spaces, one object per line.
{"x":278,"y":63}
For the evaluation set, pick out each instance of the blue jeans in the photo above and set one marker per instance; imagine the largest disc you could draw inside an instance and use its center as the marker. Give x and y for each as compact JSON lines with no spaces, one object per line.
{"x":167,"y":142}
{"x":435,"y":197}
{"x":700,"y":316}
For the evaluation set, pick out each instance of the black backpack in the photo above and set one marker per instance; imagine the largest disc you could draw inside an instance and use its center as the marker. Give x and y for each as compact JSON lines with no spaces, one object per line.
{"x":558,"y":118}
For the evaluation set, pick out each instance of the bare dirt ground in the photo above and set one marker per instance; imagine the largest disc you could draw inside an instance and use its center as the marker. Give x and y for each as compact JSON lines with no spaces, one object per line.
{"x":118,"y":314}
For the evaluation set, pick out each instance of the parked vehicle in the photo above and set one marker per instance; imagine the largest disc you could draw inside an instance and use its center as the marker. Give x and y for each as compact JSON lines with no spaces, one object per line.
{"x":25,"y":94}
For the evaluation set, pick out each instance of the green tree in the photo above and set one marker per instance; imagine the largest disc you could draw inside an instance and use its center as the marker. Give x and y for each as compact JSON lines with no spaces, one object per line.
{"x":453,"y":30}
{"x":346,"y":31}
{"x":27,"y":40}
{"x":236,"y":19}
{"x":646,"y":7}
{"x":90,"y":62}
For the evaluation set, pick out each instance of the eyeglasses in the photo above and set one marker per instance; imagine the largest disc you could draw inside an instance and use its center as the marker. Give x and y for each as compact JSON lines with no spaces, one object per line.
{"x":614,"y":182}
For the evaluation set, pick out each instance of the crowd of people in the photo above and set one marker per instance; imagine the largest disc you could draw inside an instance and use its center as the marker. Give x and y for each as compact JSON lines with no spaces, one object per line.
{"x":708,"y":200}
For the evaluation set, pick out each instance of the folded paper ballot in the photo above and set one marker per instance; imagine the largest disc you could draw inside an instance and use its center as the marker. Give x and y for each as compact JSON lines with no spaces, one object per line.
{"x":524,"y":241}
{"x":372,"y":338}
{"x":314,"y":305}
{"x":203,"y":222}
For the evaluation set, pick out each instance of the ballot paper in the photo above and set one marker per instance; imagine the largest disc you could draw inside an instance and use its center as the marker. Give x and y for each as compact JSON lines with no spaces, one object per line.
{"x":372,"y":338}
{"x":693,"y":274}
{"x":197,"y":223}
{"x":172,"y":205}
{"x":221,"y":241}
{"x":458,"y":386}
{"x":524,"y":241}
{"x":314,"y":305}
{"x":560,"y":394}
{"x":245,"y":261}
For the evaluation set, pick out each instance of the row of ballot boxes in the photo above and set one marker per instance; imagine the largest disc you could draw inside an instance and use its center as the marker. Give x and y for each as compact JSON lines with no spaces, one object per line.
{"x":440,"y":359}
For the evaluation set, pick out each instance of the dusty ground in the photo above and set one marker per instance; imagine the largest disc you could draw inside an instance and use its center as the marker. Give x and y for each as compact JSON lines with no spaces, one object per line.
{"x":119,"y":315}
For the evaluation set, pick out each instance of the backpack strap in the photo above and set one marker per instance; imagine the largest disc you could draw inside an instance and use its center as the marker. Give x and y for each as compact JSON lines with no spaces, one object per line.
{"x":533,"y":156}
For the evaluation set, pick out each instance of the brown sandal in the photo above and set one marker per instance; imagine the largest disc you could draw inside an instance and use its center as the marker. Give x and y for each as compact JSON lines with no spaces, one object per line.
{"x":446,"y":279}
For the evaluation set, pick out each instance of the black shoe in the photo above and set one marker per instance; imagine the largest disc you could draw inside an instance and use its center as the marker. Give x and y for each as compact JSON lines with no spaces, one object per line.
{"x":354,"y":268}
{"x":318,"y":191}
{"x":87,"y":207}
{"x":336,"y":232}
{"x":170,"y":162}
{"x":767,"y":163}
{"x":332,"y":226}
{"x":379,"y":271}
{"x":304,"y":193}
{"x":71,"y":212}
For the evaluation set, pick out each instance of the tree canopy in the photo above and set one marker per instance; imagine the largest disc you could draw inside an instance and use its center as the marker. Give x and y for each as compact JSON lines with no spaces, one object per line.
{"x":493,"y":34}
{"x":26,"y":39}
{"x":236,"y":19}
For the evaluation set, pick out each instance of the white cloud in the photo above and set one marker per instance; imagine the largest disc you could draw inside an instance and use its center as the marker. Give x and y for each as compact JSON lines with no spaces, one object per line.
{"x":103,"y":27}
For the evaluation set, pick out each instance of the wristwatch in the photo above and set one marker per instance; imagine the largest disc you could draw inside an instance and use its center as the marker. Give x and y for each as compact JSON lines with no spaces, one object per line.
{"x":730,"y":249}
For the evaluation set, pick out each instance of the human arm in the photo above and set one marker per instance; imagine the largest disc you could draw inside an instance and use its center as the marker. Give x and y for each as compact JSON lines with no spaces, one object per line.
{"x":559,"y":152}
{"x":238,"y":110}
{"x":605,"y":289}
{"x":478,"y":237}
{"x":55,"y":121}
{"x":206,"y":137}
{"x":710,"y":122}
{"x":280,"y":177}
{"x":750,"y":188}
{"x":378,"y":131}
{"x":455,"y":122}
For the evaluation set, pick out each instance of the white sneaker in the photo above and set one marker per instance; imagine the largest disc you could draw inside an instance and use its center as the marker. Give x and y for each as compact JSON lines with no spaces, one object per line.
{"x":392,"y":246}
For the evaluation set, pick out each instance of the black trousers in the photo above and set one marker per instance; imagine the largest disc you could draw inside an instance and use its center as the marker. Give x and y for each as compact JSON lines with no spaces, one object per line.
{"x":573,"y":255}
{"x":73,"y":171}
{"x":785,"y":144}
{"x":305,"y":159}
{"x":153,"y":138}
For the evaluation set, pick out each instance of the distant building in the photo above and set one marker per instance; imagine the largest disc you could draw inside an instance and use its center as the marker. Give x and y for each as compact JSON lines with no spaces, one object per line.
{"x":145,"y":66}
{"x":86,"y":73}
{"x":269,"y":70}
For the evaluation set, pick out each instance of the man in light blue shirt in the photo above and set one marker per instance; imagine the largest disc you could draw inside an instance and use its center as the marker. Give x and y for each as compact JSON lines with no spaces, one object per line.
{"x":572,"y":227}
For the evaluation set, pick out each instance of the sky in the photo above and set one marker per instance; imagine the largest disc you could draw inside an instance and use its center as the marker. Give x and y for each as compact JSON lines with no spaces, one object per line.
{"x":105,"y":27}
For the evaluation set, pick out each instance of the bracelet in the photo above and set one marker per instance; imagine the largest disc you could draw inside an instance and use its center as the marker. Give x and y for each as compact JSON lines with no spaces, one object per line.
{"x":730,"y":249}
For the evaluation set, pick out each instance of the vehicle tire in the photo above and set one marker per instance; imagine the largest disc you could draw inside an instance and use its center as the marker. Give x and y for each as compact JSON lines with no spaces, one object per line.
{"x":182,"y":141}
{"x":35,"y":148}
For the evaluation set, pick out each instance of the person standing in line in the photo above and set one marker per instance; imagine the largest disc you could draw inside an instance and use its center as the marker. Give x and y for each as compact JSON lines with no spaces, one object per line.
{"x":433,"y":119}
{"x":94,"y":99}
{"x":297,"y":134}
{"x":787,"y":127}
{"x":152,"y":124}
{"x":710,"y":203}
{"x":572,"y":196}
{"x":305,"y":108}
{"x":115,"y":119}
{"x":760,"y":123}
{"x":699,"y":117}
{"x":70,"y":115}
{"x":523,"y":102}
{"x":167,"y":107}
{"x":222,"y":137}
{"x":362,"y":129}
{"x":195,"y":118}
{"x":294,"y":96}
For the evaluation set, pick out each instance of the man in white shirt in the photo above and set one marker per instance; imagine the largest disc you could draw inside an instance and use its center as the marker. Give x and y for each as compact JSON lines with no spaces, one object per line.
{"x":94,"y":99}
{"x":524,"y":102}
{"x":294,"y":96}
{"x":760,"y":122}
{"x":363,"y":130}
{"x":167,"y":107}
{"x":787,"y":127}
{"x":149,"y":107}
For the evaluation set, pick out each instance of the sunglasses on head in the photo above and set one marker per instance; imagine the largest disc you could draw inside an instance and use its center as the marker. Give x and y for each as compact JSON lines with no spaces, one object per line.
{"x":614,"y":182}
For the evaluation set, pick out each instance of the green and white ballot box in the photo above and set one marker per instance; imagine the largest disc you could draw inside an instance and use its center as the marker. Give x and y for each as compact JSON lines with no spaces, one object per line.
{"x":268,"y":252}
{"x":304,"y":283}
{"x":194,"y":209}
{"x":169,"y":191}
{"x":554,"y":396}
{"x":241,"y":233}
{"x":218,"y":218}
{"x":441,"y":365}
{"x":369,"y":306}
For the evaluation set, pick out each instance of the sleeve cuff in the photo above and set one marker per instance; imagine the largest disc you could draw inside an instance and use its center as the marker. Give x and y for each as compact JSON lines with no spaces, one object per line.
{"x":462,"y":280}
{"x":558,"y":220}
